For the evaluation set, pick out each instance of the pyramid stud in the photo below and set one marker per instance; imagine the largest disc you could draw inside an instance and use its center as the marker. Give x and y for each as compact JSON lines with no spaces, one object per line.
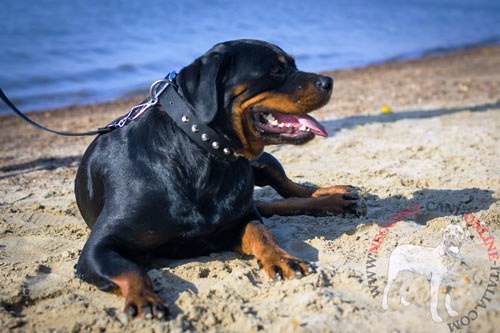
{"x":226,"y":151}
{"x":205,"y":137}
{"x":215,"y":145}
{"x":185,"y":119}
{"x":194,"y":128}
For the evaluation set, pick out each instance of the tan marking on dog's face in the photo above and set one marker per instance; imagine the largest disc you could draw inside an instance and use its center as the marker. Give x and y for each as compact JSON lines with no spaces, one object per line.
{"x":238,"y":90}
{"x":304,"y":99}
{"x":252,"y":147}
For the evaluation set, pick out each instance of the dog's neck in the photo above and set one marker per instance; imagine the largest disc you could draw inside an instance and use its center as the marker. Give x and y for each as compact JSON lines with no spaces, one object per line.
{"x":204,"y":136}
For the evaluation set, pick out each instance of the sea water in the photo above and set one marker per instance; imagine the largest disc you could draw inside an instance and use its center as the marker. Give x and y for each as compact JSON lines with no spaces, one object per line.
{"x":55,"y":53}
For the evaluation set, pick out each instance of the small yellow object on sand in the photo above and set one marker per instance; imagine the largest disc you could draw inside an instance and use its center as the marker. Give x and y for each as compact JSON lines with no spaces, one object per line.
{"x":385,"y":109}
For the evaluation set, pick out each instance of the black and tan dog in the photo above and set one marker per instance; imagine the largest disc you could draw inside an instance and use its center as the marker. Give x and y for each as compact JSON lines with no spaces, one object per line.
{"x":148,"y":190}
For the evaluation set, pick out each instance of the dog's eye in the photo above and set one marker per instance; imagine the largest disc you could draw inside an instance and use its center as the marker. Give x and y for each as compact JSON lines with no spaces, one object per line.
{"x":278,"y":70}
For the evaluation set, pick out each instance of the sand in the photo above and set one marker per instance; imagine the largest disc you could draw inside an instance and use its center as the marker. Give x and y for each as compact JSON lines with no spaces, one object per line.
{"x":438,"y":148}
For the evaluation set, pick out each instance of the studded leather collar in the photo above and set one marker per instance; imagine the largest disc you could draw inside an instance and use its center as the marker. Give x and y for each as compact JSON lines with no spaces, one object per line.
{"x":172,"y":103}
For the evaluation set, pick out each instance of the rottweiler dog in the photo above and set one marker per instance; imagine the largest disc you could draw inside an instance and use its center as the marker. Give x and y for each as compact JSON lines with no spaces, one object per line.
{"x":147,"y":190}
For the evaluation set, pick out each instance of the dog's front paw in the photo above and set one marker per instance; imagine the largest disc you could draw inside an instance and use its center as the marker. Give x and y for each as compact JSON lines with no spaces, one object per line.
{"x":282,"y":265}
{"x":146,"y":304}
{"x":340,"y":199}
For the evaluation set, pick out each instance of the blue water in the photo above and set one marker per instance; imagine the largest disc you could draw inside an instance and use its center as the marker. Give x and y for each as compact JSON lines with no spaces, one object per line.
{"x":57,"y":53}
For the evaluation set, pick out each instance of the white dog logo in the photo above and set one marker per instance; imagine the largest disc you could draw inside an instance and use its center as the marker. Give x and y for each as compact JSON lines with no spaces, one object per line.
{"x":431,"y":262}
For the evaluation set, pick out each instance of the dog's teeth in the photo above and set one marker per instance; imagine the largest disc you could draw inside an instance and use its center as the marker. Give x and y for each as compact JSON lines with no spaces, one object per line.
{"x":270,"y":118}
{"x":288,"y":125}
{"x":303,"y":128}
{"x":281,"y":125}
{"x":274,"y":122}
{"x":308,"y":129}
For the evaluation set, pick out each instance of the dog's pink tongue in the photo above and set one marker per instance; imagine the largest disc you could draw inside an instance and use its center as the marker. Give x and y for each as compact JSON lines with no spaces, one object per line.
{"x":297,"y":121}
{"x":314,"y":125}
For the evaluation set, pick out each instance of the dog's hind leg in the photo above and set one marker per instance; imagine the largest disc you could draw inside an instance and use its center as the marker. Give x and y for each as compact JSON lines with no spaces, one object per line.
{"x":302,"y":199}
{"x":447,"y":303}
{"x":435,"y":282}
{"x":104,"y":264}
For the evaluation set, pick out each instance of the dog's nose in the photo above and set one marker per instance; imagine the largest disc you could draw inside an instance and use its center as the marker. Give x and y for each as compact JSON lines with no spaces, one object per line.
{"x":325,"y":82}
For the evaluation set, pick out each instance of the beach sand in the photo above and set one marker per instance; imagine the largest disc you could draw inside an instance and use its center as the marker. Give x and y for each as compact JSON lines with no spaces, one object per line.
{"x":438,"y":148}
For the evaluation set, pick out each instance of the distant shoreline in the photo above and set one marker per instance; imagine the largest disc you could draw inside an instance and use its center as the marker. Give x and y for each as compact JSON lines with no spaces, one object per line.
{"x":440,"y":51}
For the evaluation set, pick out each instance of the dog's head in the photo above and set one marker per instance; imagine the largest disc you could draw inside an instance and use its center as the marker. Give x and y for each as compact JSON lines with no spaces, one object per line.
{"x":253,"y":92}
{"x":453,"y":237}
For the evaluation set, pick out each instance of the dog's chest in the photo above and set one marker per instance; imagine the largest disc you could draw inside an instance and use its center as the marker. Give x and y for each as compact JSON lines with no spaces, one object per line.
{"x":215,"y":197}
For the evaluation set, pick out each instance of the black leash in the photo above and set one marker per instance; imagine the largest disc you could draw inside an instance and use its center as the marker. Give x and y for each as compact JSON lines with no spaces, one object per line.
{"x":33,"y":123}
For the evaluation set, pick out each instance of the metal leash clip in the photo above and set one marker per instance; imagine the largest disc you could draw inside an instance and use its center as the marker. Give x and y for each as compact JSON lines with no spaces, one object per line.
{"x":156,"y":89}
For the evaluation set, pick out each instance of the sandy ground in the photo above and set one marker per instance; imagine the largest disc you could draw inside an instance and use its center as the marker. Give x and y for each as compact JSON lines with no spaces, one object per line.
{"x":438,"y":148}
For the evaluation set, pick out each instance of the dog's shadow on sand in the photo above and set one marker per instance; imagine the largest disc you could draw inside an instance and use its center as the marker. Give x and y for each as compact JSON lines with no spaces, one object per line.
{"x":352,"y":121}
{"x":44,"y":163}
{"x":170,"y":286}
{"x":431,"y":203}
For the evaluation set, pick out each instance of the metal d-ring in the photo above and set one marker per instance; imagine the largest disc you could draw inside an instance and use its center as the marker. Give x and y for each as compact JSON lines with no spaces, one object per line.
{"x":154,"y":92}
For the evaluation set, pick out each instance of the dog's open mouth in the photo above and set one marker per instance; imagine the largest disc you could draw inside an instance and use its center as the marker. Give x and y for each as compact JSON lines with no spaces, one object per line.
{"x":287,"y":125}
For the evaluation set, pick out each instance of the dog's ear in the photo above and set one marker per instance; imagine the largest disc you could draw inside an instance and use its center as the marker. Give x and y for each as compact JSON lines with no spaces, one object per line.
{"x":201,"y":84}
